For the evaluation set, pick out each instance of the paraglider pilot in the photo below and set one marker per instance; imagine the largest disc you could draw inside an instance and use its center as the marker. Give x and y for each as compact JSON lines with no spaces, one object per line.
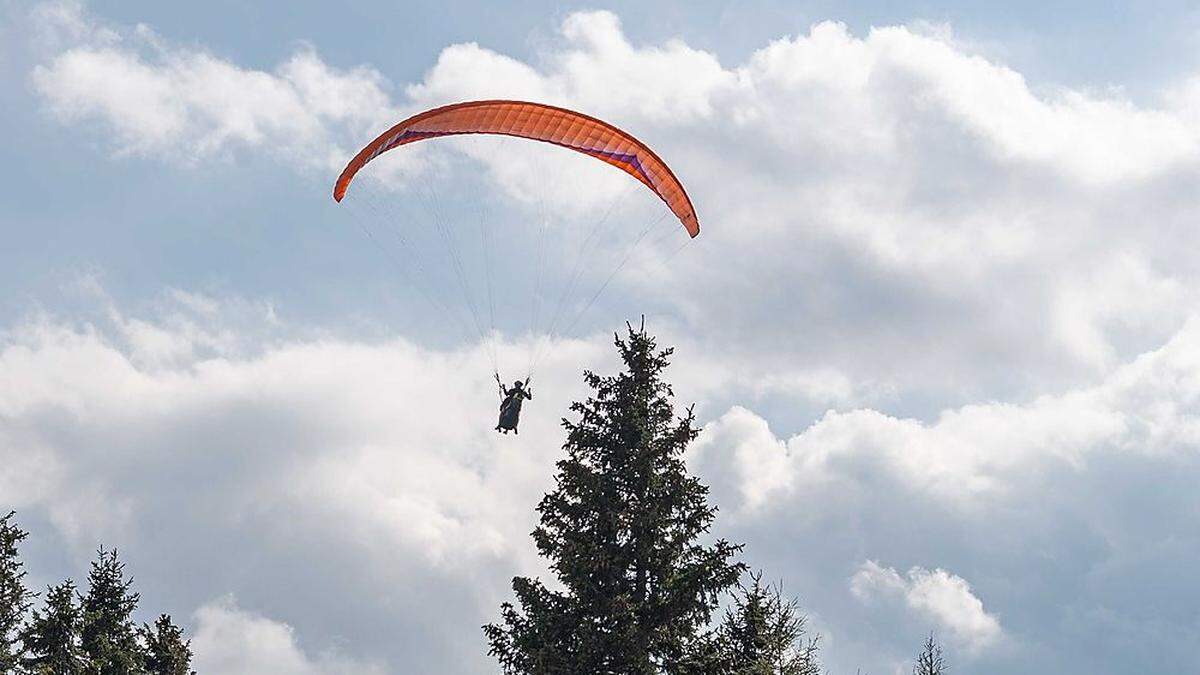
{"x":510,"y":405}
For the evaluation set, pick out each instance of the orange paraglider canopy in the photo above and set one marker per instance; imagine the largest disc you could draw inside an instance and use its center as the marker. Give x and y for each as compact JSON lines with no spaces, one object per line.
{"x":539,"y":122}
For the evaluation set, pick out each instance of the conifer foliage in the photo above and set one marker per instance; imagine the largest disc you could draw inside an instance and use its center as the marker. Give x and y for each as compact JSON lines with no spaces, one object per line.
{"x":763,"y":633}
{"x":81,"y":634}
{"x":167,"y":653}
{"x":52,"y":636}
{"x":623,"y":532}
{"x":14,"y":597}
{"x":109,"y":632}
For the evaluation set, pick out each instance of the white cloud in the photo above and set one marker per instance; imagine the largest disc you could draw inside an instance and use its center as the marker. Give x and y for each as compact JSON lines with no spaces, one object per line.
{"x":186,"y":105}
{"x":977,"y":453}
{"x":938,"y":596}
{"x":393,"y":463}
{"x":231,"y":641}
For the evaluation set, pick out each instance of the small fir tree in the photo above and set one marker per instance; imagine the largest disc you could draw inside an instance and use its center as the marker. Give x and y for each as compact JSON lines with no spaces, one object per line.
{"x":622,"y":530}
{"x":167,"y":653}
{"x":109,"y":635}
{"x":15,"y":599}
{"x":763,"y":633}
{"x":52,"y":637}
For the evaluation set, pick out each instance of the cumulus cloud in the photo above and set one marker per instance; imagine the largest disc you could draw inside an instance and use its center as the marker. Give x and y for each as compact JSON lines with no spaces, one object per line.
{"x":977,"y":452}
{"x":186,"y":105}
{"x":229,"y":641}
{"x":938,"y":595}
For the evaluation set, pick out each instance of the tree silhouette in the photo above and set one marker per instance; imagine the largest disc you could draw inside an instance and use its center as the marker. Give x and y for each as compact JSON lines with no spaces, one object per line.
{"x":930,"y":661}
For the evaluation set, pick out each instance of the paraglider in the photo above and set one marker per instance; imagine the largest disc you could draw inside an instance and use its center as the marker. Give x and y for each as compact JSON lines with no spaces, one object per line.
{"x":538,"y":122}
{"x":510,"y":404}
{"x":547,"y":124}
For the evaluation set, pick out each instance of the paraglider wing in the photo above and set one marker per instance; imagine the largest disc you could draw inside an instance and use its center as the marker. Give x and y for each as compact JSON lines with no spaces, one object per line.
{"x":540,"y":122}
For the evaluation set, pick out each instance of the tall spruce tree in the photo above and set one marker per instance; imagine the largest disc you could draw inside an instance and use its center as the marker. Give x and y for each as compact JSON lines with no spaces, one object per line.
{"x":167,"y":653}
{"x":109,"y":635}
{"x":52,"y":637}
{"x":15,"y":599}
{"x":622,"y":531}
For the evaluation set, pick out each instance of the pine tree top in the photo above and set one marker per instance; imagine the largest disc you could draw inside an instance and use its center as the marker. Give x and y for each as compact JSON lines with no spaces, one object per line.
{"x":51,"y":638}
{"x":167,"y":652}
{"x":109,"y":634}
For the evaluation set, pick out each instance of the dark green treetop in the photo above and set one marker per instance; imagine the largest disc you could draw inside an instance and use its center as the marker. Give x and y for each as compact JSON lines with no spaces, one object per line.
{"x":52,"y":637}
{"x":167,"y":653}
{"x":74,"y":634}
{"x":763,"y":633}
{"x":109,"y":635}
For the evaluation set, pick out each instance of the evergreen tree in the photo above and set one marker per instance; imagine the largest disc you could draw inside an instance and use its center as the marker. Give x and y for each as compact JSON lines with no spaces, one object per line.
{"x":52,"y":637}
{"x":621,"y":529}
{"x":763,"y":634}
{"x":167,"y":653}
{"x":109,"y":633}
{"x":930,"y":661}
{"x":15,"y":599}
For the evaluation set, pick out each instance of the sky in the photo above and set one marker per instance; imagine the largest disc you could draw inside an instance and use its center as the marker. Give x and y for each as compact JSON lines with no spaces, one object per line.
{"x":940,"y":324}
